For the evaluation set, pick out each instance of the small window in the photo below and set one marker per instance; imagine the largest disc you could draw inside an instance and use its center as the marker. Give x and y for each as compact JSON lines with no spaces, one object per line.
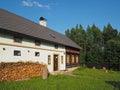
{"x":68,"y":59}
{"x":62,"y":60}
{"x":37,"y":42}
{"x":77,"y":59}
{"x":73,"y":59}
{"x":17,"y":39}
{"x":56,"y":46}
{"x":37,"y":54}
{"x":49,"y":59}
{"x":52,"y":35}
{"x":17,"y":53}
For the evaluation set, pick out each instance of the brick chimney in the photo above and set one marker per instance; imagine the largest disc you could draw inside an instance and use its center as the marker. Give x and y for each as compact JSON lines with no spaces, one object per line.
{"x":43,"y":21}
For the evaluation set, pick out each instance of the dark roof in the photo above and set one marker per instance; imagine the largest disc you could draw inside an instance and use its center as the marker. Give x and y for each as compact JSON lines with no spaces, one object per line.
{"x":15,"y":23}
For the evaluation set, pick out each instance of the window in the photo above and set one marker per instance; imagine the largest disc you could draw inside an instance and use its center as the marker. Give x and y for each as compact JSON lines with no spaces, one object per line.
{"x":73,"y":59}
{"x":52,"y":35}
{"x":56,"y":46}
{"x":17,"y":53}
{"x":77,"y":59}
{"x":68,"y":59}
{"x":62,"y":60}
{"x":37,"y":54}
{"x":17,"y":39}
{"x":37,"y":42}
{"x":49,"y":59}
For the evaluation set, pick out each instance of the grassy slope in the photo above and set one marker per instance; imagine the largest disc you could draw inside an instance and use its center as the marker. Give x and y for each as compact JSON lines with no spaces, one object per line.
{"x":86,"y":79}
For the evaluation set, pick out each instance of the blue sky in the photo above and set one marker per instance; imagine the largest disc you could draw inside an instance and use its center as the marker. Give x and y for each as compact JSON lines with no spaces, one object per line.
{"x":64,"y":14}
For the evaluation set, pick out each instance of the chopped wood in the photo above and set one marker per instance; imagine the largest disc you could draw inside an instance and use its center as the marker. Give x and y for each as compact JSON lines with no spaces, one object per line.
{"x":20,"y":70}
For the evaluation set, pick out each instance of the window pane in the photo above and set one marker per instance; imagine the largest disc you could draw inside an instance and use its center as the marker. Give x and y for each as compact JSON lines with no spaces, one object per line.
{"x":17,"y":39}
{"x":37,"y":54}
{"x":17,"y":53}
{"x":73,"y":59}
{"x":49,"y":59}
{"x":77,"y":59}
{"x":61,"y":59}
{"x":37,"y":42}
{"x":68,"y":59}
{"x":56,"y":46}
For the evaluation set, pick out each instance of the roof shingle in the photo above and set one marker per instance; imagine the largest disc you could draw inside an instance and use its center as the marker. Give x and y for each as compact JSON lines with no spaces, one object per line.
{"x":15,"y":23}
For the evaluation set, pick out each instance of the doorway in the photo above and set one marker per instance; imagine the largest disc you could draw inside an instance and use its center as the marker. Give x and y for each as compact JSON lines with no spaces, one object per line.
{"x":55,"y":63}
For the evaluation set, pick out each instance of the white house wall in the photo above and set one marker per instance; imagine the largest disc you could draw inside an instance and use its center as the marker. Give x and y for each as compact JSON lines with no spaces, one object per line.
{"x":28,"y":49}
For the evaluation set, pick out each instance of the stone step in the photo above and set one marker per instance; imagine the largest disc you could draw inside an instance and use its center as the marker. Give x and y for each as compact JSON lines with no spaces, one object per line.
{"x":67,"y":71}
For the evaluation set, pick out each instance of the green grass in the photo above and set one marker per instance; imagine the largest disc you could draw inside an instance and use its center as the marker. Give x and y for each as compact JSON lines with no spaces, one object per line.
{"x":85,"y":79}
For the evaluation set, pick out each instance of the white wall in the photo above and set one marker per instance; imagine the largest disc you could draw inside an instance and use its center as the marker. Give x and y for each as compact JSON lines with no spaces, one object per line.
{"x":28,"y":49}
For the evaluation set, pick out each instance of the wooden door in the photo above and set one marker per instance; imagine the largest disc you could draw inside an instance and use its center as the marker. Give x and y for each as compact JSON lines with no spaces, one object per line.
{"x":55,"y":62}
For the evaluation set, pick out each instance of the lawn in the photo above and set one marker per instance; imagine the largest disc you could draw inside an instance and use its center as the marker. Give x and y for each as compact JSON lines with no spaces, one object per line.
{"x":84,"y":79}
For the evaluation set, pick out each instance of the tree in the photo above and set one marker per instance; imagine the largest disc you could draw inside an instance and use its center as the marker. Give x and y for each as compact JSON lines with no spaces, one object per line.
{"x":73,"y":34}
{"x":109,"y":33}
{"x":68,"y":33}
{"x":77,"y":34}
{"x":112,"y":54}
{"x":118,"y":36}
{"x":89,"y":36}
{"x":96,"y":34}
{"x":100,"y":48}
{"x":94,"y":57}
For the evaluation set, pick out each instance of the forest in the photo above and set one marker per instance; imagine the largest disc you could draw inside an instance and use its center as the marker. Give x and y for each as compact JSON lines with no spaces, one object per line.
{"x":100,"y":48}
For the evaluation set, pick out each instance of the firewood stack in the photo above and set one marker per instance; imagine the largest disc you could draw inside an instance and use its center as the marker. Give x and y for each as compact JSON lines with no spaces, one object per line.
{"x":20,"y":70}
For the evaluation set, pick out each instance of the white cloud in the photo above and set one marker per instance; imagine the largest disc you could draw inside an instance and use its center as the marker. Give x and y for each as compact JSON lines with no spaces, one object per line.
{"x":34,"y":3}
{"x":27,"y":3}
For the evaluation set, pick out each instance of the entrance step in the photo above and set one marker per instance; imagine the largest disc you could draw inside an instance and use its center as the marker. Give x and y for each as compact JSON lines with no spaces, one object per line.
{"x":67,"y":71}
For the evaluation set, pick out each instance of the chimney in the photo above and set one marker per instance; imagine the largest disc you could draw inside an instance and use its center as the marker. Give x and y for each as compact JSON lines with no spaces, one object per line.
{"x":43,"y":21}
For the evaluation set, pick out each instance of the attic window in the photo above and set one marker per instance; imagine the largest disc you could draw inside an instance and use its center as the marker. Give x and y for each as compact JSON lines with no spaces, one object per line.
{"x":37,"y":43}
{"x":56,"y":46}
{"x":17,"y":39}
{"x":52,"y":35}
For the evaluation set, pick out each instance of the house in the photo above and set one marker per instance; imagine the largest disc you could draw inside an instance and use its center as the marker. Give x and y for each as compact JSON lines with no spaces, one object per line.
{"x":24,"y":40}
